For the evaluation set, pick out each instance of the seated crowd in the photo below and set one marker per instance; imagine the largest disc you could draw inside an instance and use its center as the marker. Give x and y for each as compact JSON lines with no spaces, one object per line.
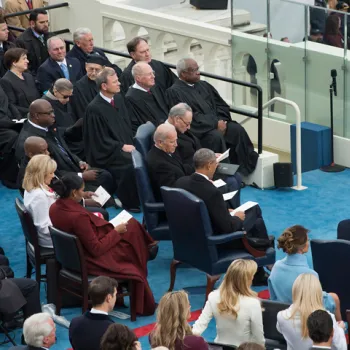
{"x":68,"y":122}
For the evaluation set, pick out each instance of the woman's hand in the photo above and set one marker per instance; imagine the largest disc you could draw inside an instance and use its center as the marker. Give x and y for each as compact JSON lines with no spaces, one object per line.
{"x":137,"y":345}
{"x":341,"y":324}
{"x":121,"y":228}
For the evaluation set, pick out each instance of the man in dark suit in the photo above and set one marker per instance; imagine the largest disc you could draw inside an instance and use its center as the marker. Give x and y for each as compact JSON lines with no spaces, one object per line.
{"x":4,"y":45}
{"x":163,"y":162}
{"x":40,"y":121}
{"x":86,"y":331}
{"x":39,"y":332}
{"x":321,"y":331}
{"x":57,"y":65}
{"x":34,"y":39}
{"x":84,"y":46}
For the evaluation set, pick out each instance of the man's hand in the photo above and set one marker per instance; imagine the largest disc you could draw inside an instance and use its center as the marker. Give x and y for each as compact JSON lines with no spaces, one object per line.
{"x":128,"y":148}
{"x":92,"y":203}
{"x":89,"y":175}
{"x":88,"y":194}
{"x":222,"y":126}
{"x":217,"y":155}
{"x":83,"y":166}
{"x":241,"y":215}
{"x":121,"y":228}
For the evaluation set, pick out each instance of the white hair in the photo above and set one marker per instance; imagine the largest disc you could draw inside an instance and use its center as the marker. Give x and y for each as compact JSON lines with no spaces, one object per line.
{"x":79,"y":33}
{"x":137,"y":68}
{"x":161,"y":133}
{"x":49,"y":40}
{"x":181,"y":65}
{"x":179,"y":110}
{"x":36,"y":328}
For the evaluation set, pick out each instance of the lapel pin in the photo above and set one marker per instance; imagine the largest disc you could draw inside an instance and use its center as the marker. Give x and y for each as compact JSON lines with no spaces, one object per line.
{"x":70,"y":66}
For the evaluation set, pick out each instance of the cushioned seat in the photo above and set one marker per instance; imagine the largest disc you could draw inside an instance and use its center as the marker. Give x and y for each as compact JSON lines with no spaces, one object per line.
{"x":75,"y":276}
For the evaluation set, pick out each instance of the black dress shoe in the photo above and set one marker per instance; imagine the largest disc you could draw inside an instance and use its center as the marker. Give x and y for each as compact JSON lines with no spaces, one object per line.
{"x":153,"y":251}
{"x":133,"y":210}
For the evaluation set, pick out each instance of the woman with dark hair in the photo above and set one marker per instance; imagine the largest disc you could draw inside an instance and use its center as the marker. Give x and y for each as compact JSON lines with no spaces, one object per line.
{"x":19,"y":86}
{"x":332,"y":35}
{"x":119,"y":252}
{"x":119,"y":337}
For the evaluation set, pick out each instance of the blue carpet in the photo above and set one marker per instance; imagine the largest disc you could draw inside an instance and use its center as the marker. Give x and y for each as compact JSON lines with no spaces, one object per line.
{"x":319,"y":208}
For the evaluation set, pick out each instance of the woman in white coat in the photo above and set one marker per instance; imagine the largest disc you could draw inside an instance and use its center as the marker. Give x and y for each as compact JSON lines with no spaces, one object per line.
{"x":235,"y":307}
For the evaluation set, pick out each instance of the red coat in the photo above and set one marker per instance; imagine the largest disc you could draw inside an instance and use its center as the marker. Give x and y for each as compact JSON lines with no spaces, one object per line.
{"x":108,"y":252}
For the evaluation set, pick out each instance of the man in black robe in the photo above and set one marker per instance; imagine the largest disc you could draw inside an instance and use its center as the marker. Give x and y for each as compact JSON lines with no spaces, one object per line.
{"x":139,"y":51}
{"x":86,"y":89}
{"x":108,"y":137}
{"x":146,"y":99}
{"x":212,"y":122}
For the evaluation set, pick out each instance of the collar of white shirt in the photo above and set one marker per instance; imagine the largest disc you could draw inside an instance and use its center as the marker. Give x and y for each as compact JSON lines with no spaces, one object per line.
{"x":192,"y":85}
{"x":94,"y":311}
{"x":37,"y":126}
{"x":62,"y":62}
{"x":105,"y":98}
{"x":205,"y":176}
{"x":137,"y":86}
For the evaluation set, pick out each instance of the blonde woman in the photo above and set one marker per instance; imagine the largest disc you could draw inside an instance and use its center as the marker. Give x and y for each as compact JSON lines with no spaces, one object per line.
{"x":172,"y":329}
{"x":292,"y":323}
{"x":235,"y":307}
{"x":38,"y":196}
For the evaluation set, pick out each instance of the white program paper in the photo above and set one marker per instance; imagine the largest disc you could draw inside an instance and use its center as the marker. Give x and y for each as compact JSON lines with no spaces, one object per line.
{"x":229,"y":195}
{"x":219,"y":183}
{"x":244,"y":207}
{"x":121,"y":218}
{"x":101,"y":196}
{"x":223,"y":156}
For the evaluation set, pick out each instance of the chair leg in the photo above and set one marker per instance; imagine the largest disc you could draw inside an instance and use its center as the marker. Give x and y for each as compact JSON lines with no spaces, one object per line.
{"x":85,"y":300}
{"x":29,"y":267}
{"x":7,"y":334}
{"x":58,"y":301}
{"x":211,"y":280}
{"x":132,"y":301}
{"x":173,"y":267}
{"x":38,"y":273}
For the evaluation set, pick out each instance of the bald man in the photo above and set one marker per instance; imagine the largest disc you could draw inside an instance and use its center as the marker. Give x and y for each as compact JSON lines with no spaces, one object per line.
{"x":146,"y":99}
{"x":40,"y":122}
{"x":164,"y":163}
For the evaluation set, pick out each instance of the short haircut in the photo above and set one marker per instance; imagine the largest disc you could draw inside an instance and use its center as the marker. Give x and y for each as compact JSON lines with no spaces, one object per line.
{"x":62,"y":84}
{"x":320,"y":326}
{"x":132,"y":44}
{"x":49,"y":40}
{"x":181,"y":65}
{"x":2,"y":14}
{"x":161,"y":133}
{"x":35,"y":328}
{"x":137,"y":68}
{"x":118,"y":336}
{"x":80,"y":32}
{"x":100,"y":287}
{"x":202,"y":157}
{"x":102,"y":77}
{"x":35,"y":13}
{"x":179,"y":110}
{"x":251,"y":346}
{"x":13,"y":55}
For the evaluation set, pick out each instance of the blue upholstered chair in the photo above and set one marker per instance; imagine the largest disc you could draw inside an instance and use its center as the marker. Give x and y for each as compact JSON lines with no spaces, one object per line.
{"x":144,"y":138}
{"x":343,"y":230}
{"x":330,"y":259}
{"x":194,"y":242}
{"x":153,"y":212}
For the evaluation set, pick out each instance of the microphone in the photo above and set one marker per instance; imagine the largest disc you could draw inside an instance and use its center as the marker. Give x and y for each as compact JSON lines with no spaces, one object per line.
{"x":334,"y":80}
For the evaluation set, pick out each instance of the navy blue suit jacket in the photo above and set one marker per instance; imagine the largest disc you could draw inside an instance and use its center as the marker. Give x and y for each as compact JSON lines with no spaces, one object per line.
{"x":50,"y":71}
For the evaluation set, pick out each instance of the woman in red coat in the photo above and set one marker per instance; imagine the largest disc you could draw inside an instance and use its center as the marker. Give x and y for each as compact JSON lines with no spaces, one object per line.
{"x":118,"y":252}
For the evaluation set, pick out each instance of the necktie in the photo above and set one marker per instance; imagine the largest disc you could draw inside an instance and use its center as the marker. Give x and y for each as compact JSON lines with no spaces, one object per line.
{"x":30,"y":4}
{"x":62,"y":149}
{"x":41,"y":38}
{"x":149,"y":91}
{"x":65,"y":71}
{"x":112,"y":102}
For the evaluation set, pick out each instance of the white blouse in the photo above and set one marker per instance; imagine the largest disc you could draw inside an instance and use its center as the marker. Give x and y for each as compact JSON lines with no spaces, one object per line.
{"x":38,"y":203}
{"x":247,"y":327}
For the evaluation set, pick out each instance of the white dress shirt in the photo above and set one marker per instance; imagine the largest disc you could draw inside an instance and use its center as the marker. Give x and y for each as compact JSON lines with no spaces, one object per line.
{"x":62,"y":62}
{"x":137,"y":86}
{"x":247,"y":327}
{"x":95,"y":311}
{"x":38,"y":203}
{"x":291,"y":331}
{"x":105,"y":98}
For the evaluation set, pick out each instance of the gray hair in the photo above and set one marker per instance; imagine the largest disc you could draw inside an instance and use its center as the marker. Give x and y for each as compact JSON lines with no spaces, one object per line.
{"x":63,"y":84}
{"x":181,"y":65}
{"x":79,"y":33}
{"x":202,"y":157}
{"x":102,"y":77}
{"x":161,"y":133}
{"x":49,"y":40}
{"x":138,"y":68}
{"x":35,"y":328}
{"x":179,"y":110}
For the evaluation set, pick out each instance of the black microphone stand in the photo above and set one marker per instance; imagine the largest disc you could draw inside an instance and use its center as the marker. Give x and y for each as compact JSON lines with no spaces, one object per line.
{"x":332,"y":168}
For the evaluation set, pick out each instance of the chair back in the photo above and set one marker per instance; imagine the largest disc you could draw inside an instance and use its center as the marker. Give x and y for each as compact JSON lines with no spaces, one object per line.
{"x":190,"y":226}
{"x":343,"y":230}
{"x":68,"y":251}
{"x":270,"y":310}
{"x":28,"y":227}
{"x":332,"y":272}
{"x":144,"y":138}
{"x":144,"y":189}
{"x":217,"y":346}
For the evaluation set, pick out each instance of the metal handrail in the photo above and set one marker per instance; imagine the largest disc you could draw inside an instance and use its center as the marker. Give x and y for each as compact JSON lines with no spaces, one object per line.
{"x":57,"y":32}
{"x":26,"y":12}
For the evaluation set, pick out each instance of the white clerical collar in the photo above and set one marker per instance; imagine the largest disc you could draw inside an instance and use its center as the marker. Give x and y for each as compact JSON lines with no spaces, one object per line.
{"x":137,"y":86}
{"x":192,"y":85}
{"x":62,"y":62}
{"x":105,"y":97}
{"x":205,"y":176}
{"x":37,"y":126}
{"x":95,"y":311}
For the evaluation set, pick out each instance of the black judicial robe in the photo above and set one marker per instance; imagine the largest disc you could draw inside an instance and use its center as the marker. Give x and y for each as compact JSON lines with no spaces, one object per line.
{"x":187,"y":145}
{"x":85,"y":91}
{"x":208,"y":108}
{"x":164,"y":76}
{"x":147,"y":106}
{"x":106,"y":130}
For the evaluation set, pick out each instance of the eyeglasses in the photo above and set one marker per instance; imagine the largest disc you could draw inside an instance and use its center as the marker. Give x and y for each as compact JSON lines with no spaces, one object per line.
{"x":97,"y":70}
{"x":192,"y":70}
{"x":186,"y":123}
{"x":52,"y":112}
{"x":149,"y":74}
{"x":65,"y":97}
